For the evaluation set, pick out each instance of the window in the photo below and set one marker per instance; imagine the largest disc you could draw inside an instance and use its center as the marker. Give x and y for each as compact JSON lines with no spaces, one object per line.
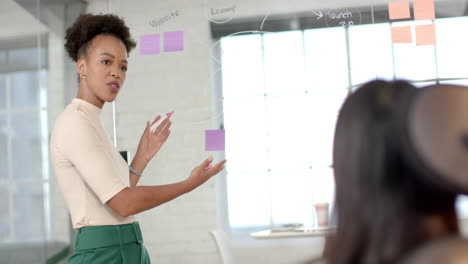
{"x":282,"y":92}
{"x":274,"y":162}
{"x":23,"y":140}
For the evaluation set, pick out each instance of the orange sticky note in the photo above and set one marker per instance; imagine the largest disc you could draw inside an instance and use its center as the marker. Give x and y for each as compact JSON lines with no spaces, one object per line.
{"x":424,"y":9}
{"x":401,"y":34}
{"x":399,"y":10}
{"x":425,"y":35}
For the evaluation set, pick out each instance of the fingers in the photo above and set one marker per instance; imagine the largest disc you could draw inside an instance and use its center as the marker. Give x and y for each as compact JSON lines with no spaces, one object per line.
{"x":212,"y":170}
{"x":165,"y":136}
{"x":156,"y":119}
{"x":218,"y":167}
{"x":166,"y":124}
{"x":207,"y":162}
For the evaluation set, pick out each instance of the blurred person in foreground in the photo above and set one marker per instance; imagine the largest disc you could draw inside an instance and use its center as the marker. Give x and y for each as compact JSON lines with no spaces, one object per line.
{"x":386,"y":207}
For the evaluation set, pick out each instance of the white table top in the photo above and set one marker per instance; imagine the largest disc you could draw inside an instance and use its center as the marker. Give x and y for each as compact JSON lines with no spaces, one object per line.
{"x":293,"y":232}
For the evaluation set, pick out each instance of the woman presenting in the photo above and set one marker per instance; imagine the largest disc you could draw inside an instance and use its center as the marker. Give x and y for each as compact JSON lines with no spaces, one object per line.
{"x":98,"y":186}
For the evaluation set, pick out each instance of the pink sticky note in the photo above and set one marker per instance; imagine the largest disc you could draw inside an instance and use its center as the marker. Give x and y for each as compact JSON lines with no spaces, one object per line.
{"x":399,"y":10}
{"x":150,"y":44}
{"x":425,"y":35}
{"x":401,"y":34}
{"x":424,"y":9}
{"x":173,"y":41}
{"x":214,"y":140}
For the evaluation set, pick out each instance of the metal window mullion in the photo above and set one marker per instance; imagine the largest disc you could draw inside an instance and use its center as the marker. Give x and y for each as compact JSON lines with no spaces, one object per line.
{"x":45,"y":187}
{"x":10,"y":172}
{"x":348,"y":58}
{"x":268,"y":150}
{"x":305,"y":61}
{"x":44,"y":141}
{"x":46,"y":176}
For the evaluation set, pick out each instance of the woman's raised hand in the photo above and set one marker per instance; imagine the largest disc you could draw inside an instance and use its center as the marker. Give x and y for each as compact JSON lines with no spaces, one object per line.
{"x":151,"y":142}
{"x":204,"y":172}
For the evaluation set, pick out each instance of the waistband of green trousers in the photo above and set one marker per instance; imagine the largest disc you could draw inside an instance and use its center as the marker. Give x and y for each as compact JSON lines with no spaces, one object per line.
{"x":90,"y":237}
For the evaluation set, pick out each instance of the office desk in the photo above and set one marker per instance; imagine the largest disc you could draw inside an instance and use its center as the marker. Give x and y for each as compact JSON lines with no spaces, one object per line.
{"x":293,"y":232}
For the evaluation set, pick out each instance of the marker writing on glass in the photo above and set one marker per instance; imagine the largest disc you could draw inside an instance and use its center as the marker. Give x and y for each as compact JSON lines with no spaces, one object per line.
{"x":155,"y":125}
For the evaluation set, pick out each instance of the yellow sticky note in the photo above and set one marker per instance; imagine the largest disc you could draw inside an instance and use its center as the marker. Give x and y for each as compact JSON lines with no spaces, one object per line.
{"x":399,"y":10}
{"x":401,"y":34}
{"x":424,"y":9}
{"x":425,"y":35}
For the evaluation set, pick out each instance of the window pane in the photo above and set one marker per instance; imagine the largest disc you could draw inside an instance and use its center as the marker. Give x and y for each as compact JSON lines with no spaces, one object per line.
{"x":451,"y":47}
{"x":414,"y":62}
{"x":289,"y":131}
{"x":5,"y":215}
{"x":28,"y":57}
{"x":323,"y":183}
{"x":2,"y":92}
{"x":26,"y":141}
{"x":29,"y":212}
{"x":248,"y":199}
{"x":3,"y":148}
{"x":323,"y":188}
{"x":242,"y":62}
{"x":284,"y":62}
{"x":25,"y":90}
{"x":370,"y":53}
{"x":3,"y":57}
{"x":246,"y":141}
{"x":291,"y":192}
{"x":326,"y":59}
{"x":323,"y":115}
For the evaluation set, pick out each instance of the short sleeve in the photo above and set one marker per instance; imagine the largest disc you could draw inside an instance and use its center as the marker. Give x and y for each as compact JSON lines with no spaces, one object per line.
{"x":88,"y":151}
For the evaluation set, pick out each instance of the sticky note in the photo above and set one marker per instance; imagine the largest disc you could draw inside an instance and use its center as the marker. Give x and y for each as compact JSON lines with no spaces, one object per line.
{"x":150,"y":44}
{"x":399,"y":10}
{"x":173,"y":41}
{"x":425,"y":35}
{"x":214,"y":140}
{"x":401,"y":34}
{"x":424,"y":9}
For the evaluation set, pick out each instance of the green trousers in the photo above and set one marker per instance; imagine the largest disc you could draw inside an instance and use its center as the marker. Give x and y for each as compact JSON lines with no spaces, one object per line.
{"x":112,"y":244}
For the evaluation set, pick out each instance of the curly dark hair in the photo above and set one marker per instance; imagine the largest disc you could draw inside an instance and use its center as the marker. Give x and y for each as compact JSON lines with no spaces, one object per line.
{"x":87,"y":26}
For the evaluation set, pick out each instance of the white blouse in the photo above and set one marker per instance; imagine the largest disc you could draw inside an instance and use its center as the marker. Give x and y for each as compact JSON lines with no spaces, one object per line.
{"x":88,"y":168}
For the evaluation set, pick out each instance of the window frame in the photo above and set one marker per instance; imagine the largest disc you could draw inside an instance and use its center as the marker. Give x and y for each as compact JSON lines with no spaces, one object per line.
{"x":39,"y":69}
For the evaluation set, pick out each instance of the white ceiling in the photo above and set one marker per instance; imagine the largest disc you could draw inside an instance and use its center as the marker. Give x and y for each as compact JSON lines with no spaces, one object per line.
{"x":17,"y":22}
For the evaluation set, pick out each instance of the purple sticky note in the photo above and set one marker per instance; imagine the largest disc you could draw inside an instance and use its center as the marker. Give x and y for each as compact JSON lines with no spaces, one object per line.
{"x":150,"y":44}
{"x":214,"y":140}
{"x":173,"y":41}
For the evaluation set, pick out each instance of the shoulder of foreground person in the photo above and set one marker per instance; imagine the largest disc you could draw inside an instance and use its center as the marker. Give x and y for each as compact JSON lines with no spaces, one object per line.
{"x":447,"y":250}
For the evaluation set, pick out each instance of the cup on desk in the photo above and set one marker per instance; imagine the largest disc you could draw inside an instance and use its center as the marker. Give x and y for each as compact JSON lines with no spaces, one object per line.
{"x":321,"y":213}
